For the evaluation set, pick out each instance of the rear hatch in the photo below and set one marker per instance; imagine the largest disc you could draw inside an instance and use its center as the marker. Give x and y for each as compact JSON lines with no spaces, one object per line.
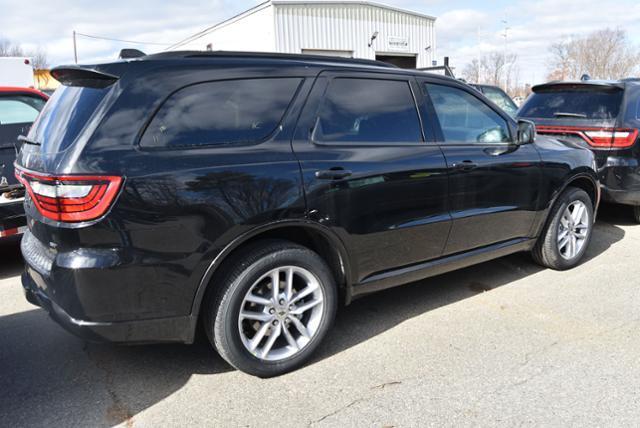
{"x":59,"y":195}
{"x":583,"y":113}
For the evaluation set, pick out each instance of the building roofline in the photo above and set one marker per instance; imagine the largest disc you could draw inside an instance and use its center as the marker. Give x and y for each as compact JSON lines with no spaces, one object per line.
{"x":268,"y":3}
{"x":220,"y":24}
{"x":352,"y":2}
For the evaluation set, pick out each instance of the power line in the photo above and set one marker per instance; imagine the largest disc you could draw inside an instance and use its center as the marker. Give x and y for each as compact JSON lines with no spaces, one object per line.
{"x":135,"y":42}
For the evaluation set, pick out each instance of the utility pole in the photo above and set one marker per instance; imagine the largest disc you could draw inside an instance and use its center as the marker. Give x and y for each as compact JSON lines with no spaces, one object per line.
{"x":504,"y":61}
{"x":75,"y":47}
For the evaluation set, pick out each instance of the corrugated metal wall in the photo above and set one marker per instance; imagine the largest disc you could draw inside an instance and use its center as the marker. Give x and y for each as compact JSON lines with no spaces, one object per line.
{"x":349,"y":27}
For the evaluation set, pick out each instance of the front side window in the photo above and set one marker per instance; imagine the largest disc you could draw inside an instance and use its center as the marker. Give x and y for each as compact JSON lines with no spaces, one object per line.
{"x":222,"y":112}
{"x":368,"y":111}
{"x":465,"y":118}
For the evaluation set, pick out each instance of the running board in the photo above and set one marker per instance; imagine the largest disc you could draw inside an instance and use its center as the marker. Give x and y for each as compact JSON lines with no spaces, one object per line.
{"x":424,"y":270}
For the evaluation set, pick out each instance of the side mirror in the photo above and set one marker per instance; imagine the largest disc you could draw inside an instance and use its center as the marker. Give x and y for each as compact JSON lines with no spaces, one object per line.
{"x":526,"y":132}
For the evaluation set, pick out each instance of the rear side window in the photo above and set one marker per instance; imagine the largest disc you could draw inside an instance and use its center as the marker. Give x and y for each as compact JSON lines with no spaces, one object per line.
{"x":19,"y":109}
{"x":65,"y":116}
{"x":578,"y":103}
{"x":465,"y":118}
{"x":222,"y":112}
{"x":368,"y":111}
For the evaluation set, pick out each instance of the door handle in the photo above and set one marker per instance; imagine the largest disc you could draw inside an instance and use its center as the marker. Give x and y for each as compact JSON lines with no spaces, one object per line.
{"x":466,"y":165}
{"x":336,"y":173}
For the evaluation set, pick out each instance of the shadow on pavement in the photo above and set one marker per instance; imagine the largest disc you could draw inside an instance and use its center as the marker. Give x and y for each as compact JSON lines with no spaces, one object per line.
{"x":49,"y":377}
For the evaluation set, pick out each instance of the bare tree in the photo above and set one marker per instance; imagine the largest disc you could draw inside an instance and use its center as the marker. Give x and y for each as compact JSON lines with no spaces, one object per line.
{"x":602,"y":54}
{"x":38,"y":57}
{"x":472,"y":72}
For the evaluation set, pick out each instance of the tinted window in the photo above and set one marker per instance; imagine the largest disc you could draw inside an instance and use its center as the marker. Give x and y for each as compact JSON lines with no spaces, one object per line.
{"x":501,"y":99}
{"x":465,"y":118}
{"x":579,"y":103}
{"x":368,"y":110}
{"x":19,"y":109}
{"x":225,"y":112}
{"x":65,"y":116}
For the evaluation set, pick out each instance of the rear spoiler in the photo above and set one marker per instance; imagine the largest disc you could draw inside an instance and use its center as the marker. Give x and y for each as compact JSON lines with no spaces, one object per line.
{"x":586,"y":84}
{"x":72,"y":75}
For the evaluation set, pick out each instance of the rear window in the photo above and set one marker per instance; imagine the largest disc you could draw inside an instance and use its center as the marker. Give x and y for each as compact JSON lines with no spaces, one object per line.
{"x":65,"y":116}
{"x":579,"y":103}
{"x":223,"y":112}
{"x":19,"y":109}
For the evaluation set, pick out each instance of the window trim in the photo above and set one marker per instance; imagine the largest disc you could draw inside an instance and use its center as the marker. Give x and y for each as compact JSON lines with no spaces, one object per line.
{"x":509,"y":121}
{"x":366,"y":76}
{"x":267,"y":138}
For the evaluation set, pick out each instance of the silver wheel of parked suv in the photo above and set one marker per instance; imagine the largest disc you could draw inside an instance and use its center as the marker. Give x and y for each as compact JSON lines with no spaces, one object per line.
{"x":281,"y":313}
{"x":566,"y":236}
{"x":573,"y":229}
{"x":271,"y":307}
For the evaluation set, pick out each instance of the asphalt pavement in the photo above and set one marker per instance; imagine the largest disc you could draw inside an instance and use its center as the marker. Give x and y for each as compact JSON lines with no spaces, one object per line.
{"x":504,"y":343}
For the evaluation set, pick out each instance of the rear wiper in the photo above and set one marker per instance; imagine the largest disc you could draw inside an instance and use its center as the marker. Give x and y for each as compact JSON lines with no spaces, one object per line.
{"x":24,"y":139}
{"x":564,"y":114}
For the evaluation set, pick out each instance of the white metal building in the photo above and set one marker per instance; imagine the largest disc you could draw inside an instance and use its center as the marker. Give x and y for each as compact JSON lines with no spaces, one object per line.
{"x":359,"y":29}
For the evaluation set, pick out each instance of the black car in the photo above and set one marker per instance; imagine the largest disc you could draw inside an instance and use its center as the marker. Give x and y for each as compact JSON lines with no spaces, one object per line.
{"x":603,"y":116}
{"x":253,"y":193}
{"x":19,"y":107}
{"x":498,"y":96}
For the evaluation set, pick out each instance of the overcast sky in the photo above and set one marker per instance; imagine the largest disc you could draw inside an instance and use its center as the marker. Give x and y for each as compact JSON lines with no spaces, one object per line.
{"x":465,"y":29}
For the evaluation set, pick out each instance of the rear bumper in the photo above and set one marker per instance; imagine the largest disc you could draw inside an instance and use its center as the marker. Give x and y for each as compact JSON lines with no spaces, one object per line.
{"x":60,"y":288}
{"x":620,"y":180}
{"x":169,"y":330}
{"x":623,"y":197}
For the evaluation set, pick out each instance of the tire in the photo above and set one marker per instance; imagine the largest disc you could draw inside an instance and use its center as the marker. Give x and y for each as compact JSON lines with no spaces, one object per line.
{"x":636,"y":214}
{"x":247,"y":285}
{"x":548,"y":250}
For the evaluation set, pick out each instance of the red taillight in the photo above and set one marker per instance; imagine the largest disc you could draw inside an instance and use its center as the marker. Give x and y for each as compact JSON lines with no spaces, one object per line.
{"x":70,"y":198}
{"x":604,"y":138}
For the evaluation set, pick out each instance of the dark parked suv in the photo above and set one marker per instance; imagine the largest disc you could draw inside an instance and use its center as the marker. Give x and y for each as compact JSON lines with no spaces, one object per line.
{"x":603,"y":116}
{"x":253,"y":193}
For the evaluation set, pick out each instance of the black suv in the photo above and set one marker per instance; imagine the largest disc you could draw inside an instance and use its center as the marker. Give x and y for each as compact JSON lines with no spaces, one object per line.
{"x":253,"y":193}
{"x":603,"y":116}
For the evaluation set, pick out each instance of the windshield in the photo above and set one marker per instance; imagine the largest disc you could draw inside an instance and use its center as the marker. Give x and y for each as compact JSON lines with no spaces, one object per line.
{"x":501,"y":99}
{"x":64,"y":117}
{"x":579,"y":103}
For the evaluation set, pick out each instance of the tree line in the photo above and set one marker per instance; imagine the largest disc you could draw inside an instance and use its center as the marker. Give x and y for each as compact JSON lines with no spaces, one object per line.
{"x":38,"y":56}
{"x":602,"y":54}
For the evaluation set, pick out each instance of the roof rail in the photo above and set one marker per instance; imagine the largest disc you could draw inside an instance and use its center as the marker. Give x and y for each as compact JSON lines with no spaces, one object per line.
{"x":269,"y":55}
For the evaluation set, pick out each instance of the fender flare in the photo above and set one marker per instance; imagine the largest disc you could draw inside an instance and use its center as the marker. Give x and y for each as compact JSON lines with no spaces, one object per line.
{"x":243,"y":238}
{"x":574,"y":175}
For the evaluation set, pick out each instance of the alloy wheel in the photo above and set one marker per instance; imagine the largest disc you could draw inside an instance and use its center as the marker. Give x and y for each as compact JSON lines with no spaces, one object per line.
{"x":281,"y":313}
{"x":573,"y":230}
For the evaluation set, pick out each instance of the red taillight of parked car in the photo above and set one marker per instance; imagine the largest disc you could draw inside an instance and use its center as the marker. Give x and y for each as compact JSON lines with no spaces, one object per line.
{"x":70,"y":198}
{"x":602,"y":138}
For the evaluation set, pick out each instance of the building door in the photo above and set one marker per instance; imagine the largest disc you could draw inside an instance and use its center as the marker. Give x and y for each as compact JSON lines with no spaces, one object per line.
{"x":399,"y":61}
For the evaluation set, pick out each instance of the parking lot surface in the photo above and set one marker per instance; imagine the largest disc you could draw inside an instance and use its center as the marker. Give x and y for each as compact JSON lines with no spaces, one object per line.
{"x":503,"y":343}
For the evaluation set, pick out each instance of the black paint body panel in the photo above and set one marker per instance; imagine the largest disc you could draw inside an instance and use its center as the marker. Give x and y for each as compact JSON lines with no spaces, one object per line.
{"x":182,"y":211}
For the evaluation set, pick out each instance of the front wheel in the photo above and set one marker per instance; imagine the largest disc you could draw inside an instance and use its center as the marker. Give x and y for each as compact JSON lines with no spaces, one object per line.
{"x":273,"y":308}
{"x":567,"y":234}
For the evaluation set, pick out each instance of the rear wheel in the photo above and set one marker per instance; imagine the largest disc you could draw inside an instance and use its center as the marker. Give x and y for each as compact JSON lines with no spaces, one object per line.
{"x":566,"y":236}
{"x":273,"y":308}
